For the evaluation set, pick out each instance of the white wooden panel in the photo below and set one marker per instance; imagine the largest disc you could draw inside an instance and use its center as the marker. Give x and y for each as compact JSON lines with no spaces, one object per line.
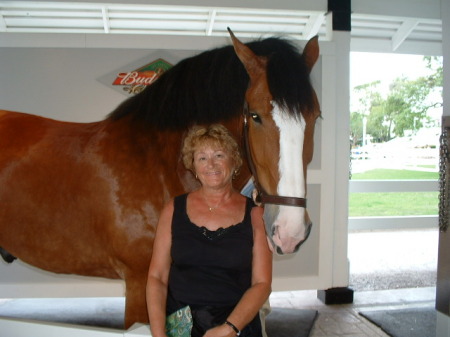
{"x":402,"y":8}
{"x":373,"y":186}
{"x":23,"y":328}
{"x":392,"y":223}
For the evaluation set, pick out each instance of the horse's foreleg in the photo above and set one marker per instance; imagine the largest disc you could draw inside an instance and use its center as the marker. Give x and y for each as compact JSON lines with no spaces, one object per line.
{"x":135,"y":302}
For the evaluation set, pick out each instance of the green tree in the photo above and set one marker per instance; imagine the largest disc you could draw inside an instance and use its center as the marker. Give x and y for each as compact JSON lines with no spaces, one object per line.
{"x":379,"y":125}
{"x":405,"y":108}
{"x":406,"y":105}
{"x":356,"y":128}
{"x":368,"y":94}
{"x":434,"y":63}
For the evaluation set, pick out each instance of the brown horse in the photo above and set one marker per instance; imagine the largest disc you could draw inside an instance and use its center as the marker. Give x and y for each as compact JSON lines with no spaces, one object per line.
{"x":84,"y":198}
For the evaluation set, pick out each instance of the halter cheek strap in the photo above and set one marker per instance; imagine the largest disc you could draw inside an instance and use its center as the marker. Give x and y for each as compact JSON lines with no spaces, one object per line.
{"x":262,"y":196}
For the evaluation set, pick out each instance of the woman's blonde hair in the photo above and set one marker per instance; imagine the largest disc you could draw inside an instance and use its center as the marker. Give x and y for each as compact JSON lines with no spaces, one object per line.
{"x":214,"y":135}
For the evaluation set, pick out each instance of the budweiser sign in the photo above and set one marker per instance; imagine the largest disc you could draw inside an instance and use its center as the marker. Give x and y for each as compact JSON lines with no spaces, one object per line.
{"x":135,"y":81}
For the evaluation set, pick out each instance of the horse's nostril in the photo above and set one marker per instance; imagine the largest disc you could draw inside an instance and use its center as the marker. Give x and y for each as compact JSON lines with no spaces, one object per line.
{"x":279,"y":251}
{"x":274,"y":230}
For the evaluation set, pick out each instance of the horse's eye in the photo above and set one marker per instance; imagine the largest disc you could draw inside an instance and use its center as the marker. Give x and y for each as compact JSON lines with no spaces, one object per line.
{"x":256,"y":118}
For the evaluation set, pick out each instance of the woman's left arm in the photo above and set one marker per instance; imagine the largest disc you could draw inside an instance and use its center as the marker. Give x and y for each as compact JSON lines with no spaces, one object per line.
{"x":255,"y":297}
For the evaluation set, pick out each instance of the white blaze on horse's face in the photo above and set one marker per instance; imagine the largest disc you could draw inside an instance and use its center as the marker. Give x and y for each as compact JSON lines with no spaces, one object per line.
{"x":290,"y":224}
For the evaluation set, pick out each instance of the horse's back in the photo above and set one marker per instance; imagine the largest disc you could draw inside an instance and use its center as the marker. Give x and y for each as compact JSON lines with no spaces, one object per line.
{"x":18,"y":129}
{"x":19,"y":132}
{"x":26,"y":138}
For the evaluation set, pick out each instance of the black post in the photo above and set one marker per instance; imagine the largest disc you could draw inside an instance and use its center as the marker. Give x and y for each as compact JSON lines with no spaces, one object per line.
{"x":342,"y":11}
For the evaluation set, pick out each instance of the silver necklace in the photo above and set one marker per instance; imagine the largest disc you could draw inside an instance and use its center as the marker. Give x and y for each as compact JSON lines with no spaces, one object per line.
{"x":212,"y":208}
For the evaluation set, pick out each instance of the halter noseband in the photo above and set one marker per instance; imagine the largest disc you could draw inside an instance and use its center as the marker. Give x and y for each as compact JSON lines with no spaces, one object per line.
{"x":262,"y":195}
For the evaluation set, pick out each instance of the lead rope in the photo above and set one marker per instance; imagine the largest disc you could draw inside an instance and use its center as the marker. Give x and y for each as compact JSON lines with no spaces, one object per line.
{"x":443,"y":178}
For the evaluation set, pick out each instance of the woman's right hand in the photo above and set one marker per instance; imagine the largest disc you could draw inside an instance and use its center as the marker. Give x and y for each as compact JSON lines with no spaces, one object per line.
{"x":220,"y":331}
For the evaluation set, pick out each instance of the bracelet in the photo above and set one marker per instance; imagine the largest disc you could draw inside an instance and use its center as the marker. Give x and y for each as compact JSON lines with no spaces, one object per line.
{"x":238,"y":332}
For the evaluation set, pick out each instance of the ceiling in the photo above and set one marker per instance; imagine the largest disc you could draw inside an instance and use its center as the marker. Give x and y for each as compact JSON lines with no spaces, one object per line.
{"x":388,"y":33}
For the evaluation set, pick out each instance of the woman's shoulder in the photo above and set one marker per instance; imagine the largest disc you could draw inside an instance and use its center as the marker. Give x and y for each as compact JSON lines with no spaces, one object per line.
{"x":181,"y":196}
{"x":257,"y":210}
{"x":256,"y":213}
{"x":249,"y":202}
{"x":170,"y":206}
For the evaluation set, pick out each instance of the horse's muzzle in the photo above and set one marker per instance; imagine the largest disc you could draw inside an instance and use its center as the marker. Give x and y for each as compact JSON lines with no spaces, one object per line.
{"x":287,"y":227}
{"x":287,"y":249}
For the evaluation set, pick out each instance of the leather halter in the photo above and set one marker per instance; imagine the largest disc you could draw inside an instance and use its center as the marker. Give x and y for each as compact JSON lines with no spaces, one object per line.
{"x":262,"y":196}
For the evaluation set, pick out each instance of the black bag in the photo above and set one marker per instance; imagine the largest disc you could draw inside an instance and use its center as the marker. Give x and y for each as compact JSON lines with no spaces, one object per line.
{"x":205,"y":318}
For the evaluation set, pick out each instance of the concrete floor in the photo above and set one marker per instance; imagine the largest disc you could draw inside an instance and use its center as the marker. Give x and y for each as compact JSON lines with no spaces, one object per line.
{"x":396,"y":259}
{"x":344,"y":320}
{"x":388,"y":270}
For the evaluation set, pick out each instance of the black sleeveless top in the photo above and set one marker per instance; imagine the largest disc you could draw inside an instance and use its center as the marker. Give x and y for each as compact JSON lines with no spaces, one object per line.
{"x":210,"y":269}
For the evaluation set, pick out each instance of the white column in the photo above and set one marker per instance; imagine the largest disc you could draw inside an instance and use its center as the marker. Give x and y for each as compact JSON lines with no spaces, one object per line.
{"x":342,"y":160}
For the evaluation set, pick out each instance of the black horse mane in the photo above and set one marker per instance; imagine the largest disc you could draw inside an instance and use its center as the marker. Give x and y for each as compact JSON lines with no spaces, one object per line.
{"x":210,"y":87}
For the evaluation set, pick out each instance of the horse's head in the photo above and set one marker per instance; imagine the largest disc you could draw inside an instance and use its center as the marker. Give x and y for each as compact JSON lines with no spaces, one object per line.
{"x":279,"y":147}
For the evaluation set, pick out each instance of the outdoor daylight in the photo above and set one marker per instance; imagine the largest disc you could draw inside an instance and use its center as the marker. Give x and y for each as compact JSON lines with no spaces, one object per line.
{"x":396,"y":109}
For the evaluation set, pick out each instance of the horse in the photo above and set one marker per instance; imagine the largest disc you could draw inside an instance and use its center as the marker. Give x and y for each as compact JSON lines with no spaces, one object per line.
{"x":84,"y":198}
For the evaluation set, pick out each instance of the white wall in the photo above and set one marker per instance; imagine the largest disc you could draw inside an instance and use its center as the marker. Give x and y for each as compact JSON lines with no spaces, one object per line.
{"x":68,"y":83}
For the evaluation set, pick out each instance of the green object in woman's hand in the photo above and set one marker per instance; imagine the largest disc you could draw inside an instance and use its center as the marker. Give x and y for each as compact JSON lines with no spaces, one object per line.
{"x":179,"y":323}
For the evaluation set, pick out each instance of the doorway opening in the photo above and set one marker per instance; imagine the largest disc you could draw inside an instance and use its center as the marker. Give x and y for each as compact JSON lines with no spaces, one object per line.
{"x":396,"y":109}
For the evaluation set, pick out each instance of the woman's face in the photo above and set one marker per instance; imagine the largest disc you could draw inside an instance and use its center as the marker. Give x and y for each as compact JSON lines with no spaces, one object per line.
{"x":213,"y":166}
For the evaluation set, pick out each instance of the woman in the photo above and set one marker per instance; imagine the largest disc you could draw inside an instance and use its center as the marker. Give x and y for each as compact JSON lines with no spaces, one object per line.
{"x":210,"y":251}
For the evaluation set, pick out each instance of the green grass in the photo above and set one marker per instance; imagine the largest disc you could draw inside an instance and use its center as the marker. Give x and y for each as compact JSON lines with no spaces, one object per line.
{"x":394,"y":204}
{"x":387,"y":174}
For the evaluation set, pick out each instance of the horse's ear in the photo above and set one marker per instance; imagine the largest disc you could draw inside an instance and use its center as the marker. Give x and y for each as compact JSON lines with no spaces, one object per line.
{"x":311,"y":52}
{"x":251,"y":62}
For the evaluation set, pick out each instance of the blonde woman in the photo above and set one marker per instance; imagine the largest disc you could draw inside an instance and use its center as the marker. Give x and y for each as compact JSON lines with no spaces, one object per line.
{"x":210,"y":250}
